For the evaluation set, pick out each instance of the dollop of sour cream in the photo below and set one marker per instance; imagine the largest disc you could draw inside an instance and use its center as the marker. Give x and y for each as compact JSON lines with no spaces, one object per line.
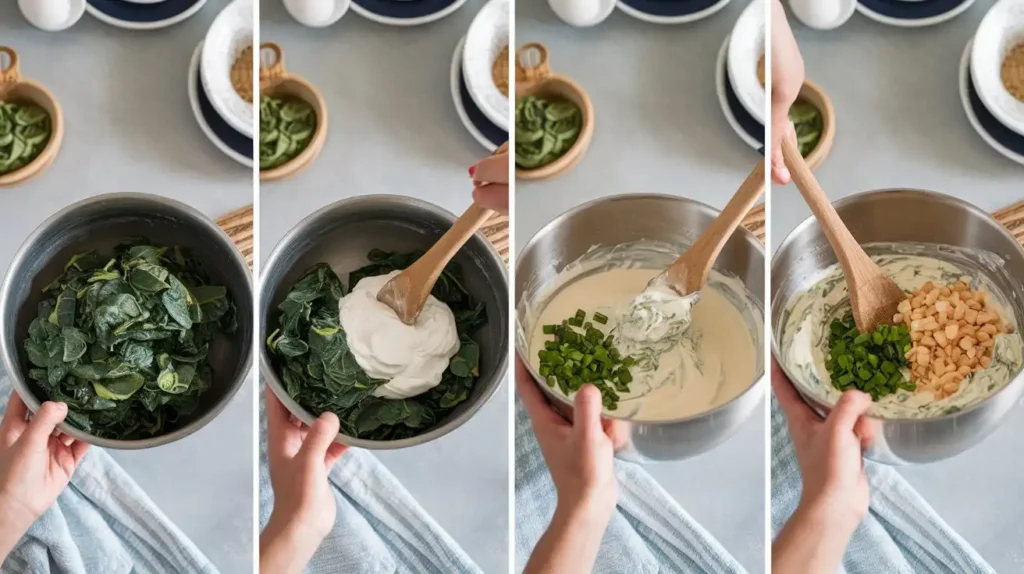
{"x":412,"y":358}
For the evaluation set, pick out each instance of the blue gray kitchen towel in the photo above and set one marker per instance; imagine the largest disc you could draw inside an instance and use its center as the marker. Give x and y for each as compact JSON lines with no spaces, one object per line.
{"x":103,"y":522}
{"x":649,"y":532}
{"x":901,"y":534}
{"x":380,"y":527}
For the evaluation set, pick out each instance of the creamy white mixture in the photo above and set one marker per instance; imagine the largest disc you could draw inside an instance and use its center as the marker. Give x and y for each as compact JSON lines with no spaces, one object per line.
{"x":412,"y":358}
{"x":805,"y":339}
{"x":682,"y":369}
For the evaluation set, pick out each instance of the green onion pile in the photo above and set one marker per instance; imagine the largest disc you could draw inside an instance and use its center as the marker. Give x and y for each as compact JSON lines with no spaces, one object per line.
{"x":581,"y":353}
{"x":287,"y":126}
{"x":808,"y":123}
{"x":868,"y":362}
{"x":545,"y":130}
{"x":24,"y":131}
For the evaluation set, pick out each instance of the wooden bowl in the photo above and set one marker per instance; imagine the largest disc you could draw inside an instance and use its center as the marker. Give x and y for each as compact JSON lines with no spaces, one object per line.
{"x":538,"y":80}
{"x":812,"y":94}
{"x":14,"y":88}
{"x":276,"y":82}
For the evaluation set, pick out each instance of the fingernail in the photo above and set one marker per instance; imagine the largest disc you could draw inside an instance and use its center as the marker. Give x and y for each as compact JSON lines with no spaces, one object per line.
{"x":472,"y":170}
{"x":62,"y":407}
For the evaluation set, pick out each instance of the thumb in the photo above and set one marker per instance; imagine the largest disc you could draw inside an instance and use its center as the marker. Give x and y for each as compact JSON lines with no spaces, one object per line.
{"x":848,"y":410}
{"x":320,"y":437}
{"x":587,"y":412}
{"x":44,"y":422}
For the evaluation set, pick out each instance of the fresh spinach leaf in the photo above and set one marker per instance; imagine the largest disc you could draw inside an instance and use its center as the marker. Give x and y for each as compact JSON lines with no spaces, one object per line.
{"x":124,"y":340}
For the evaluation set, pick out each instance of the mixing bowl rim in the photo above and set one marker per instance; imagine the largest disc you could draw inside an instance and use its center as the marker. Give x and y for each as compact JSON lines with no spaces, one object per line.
{"x":854,"y":198}
{"x":267,"y":368}
{"x":549,"y":227}
{"x":11,"y":359}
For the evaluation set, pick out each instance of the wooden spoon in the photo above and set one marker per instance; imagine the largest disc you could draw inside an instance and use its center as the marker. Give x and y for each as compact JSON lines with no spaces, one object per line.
{"x":873,"y":294}
{"x":407,"y":292}
{"x":689,"y":272}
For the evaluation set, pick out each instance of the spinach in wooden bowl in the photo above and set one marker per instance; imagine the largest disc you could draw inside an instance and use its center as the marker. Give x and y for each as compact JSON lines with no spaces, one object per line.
{"x":310,"y":353}
{"x":123,"y":340}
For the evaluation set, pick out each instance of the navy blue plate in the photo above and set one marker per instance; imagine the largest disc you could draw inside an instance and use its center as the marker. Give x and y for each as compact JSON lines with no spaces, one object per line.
{"x":903,"y":10}
{"x":220,"y":128}
{"x":143,"y":13}
{"x":746,"y":121}
{"x":1008,"y":138}
{"x":670,"y":8}
{"x":404,"y":10}
{"x":493,"y":133}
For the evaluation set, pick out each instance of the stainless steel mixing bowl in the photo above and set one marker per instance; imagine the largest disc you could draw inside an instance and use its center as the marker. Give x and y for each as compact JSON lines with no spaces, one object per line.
{"x":100,"y":223}
{"x":341,"y":235}
{"x":904,"y":215}
{"x":628,"y":218}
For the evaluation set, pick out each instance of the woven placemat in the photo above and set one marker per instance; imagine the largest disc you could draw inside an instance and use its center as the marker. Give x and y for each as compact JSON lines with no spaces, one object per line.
{"x":496,"y":231}
{"x":754,"y":221}
{"x":1012,"y":218}
{"x":238,"y":226}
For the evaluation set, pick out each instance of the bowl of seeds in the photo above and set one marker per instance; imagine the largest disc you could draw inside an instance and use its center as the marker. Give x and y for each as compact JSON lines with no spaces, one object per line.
{"x":293,"y":118}
{"x":997,"y":63}
{"x":226,"y":65}
{"x":31,"y":124}
{"x":554,"y":117}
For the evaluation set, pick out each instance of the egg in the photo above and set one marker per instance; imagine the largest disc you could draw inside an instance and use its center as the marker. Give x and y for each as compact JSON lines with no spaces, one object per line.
{"x":580,"y":12}
{"x":50,"y":15}
{"x":313,"y":13}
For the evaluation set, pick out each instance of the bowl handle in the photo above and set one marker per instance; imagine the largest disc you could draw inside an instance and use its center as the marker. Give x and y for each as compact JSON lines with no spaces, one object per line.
{"x":531,"y":64}
{"x":271,"y":63}
{"x":9,"y":66}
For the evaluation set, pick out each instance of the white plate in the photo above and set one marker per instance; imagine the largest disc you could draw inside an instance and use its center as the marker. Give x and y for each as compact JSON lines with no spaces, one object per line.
{"x":1001,"y":29}
{"x":193,"y":98}
{"x":487,"y":35}
{"x":132,"y":16}
{"x":720,"y":89}
{"x":965,"y":77}
{"x":460,"y":109}
{"x":405,"y":12}
{"x":746,"y":45}
{"x":684,"y":15}
{"x":913,"y":14}
{"x":230,"y":33}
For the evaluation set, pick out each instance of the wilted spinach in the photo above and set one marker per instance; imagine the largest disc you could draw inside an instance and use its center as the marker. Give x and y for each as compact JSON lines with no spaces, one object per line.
{"x":311,"y":354}
{"x":123,"y":340}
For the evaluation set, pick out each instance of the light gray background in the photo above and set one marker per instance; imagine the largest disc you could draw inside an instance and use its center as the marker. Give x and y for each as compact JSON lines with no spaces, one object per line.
{"x":658,"y":129}
{"x":900,"y":123}
{"x":129,"y":127}
{"x":393,"y":129}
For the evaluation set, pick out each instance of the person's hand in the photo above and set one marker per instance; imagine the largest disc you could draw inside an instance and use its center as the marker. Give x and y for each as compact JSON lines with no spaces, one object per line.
{"x":787,"y":79}
{"x":300,"y":458}
{"x":35,"y":466}
{"x":490,"y":181}
{"x":579,"y":454}
{"x":830,"y":452}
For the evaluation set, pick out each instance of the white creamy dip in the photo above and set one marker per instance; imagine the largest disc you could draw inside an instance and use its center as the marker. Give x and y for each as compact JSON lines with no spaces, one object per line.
{"x":412,"y":358}
{"x":682,"y":370}
{"x":805,"y":339}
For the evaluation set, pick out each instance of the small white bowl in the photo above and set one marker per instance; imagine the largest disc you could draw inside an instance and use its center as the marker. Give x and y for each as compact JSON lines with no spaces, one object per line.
{"x":487,"y":35}
{"x":746,"y":46}
{"x":230,"y":33}
{"x":1000,"y":30}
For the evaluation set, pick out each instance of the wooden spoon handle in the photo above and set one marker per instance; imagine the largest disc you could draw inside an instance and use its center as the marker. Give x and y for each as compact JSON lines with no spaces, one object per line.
{"x":847,"y":250}
{"x":707,"y":247}
{"x":442,"y":252}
